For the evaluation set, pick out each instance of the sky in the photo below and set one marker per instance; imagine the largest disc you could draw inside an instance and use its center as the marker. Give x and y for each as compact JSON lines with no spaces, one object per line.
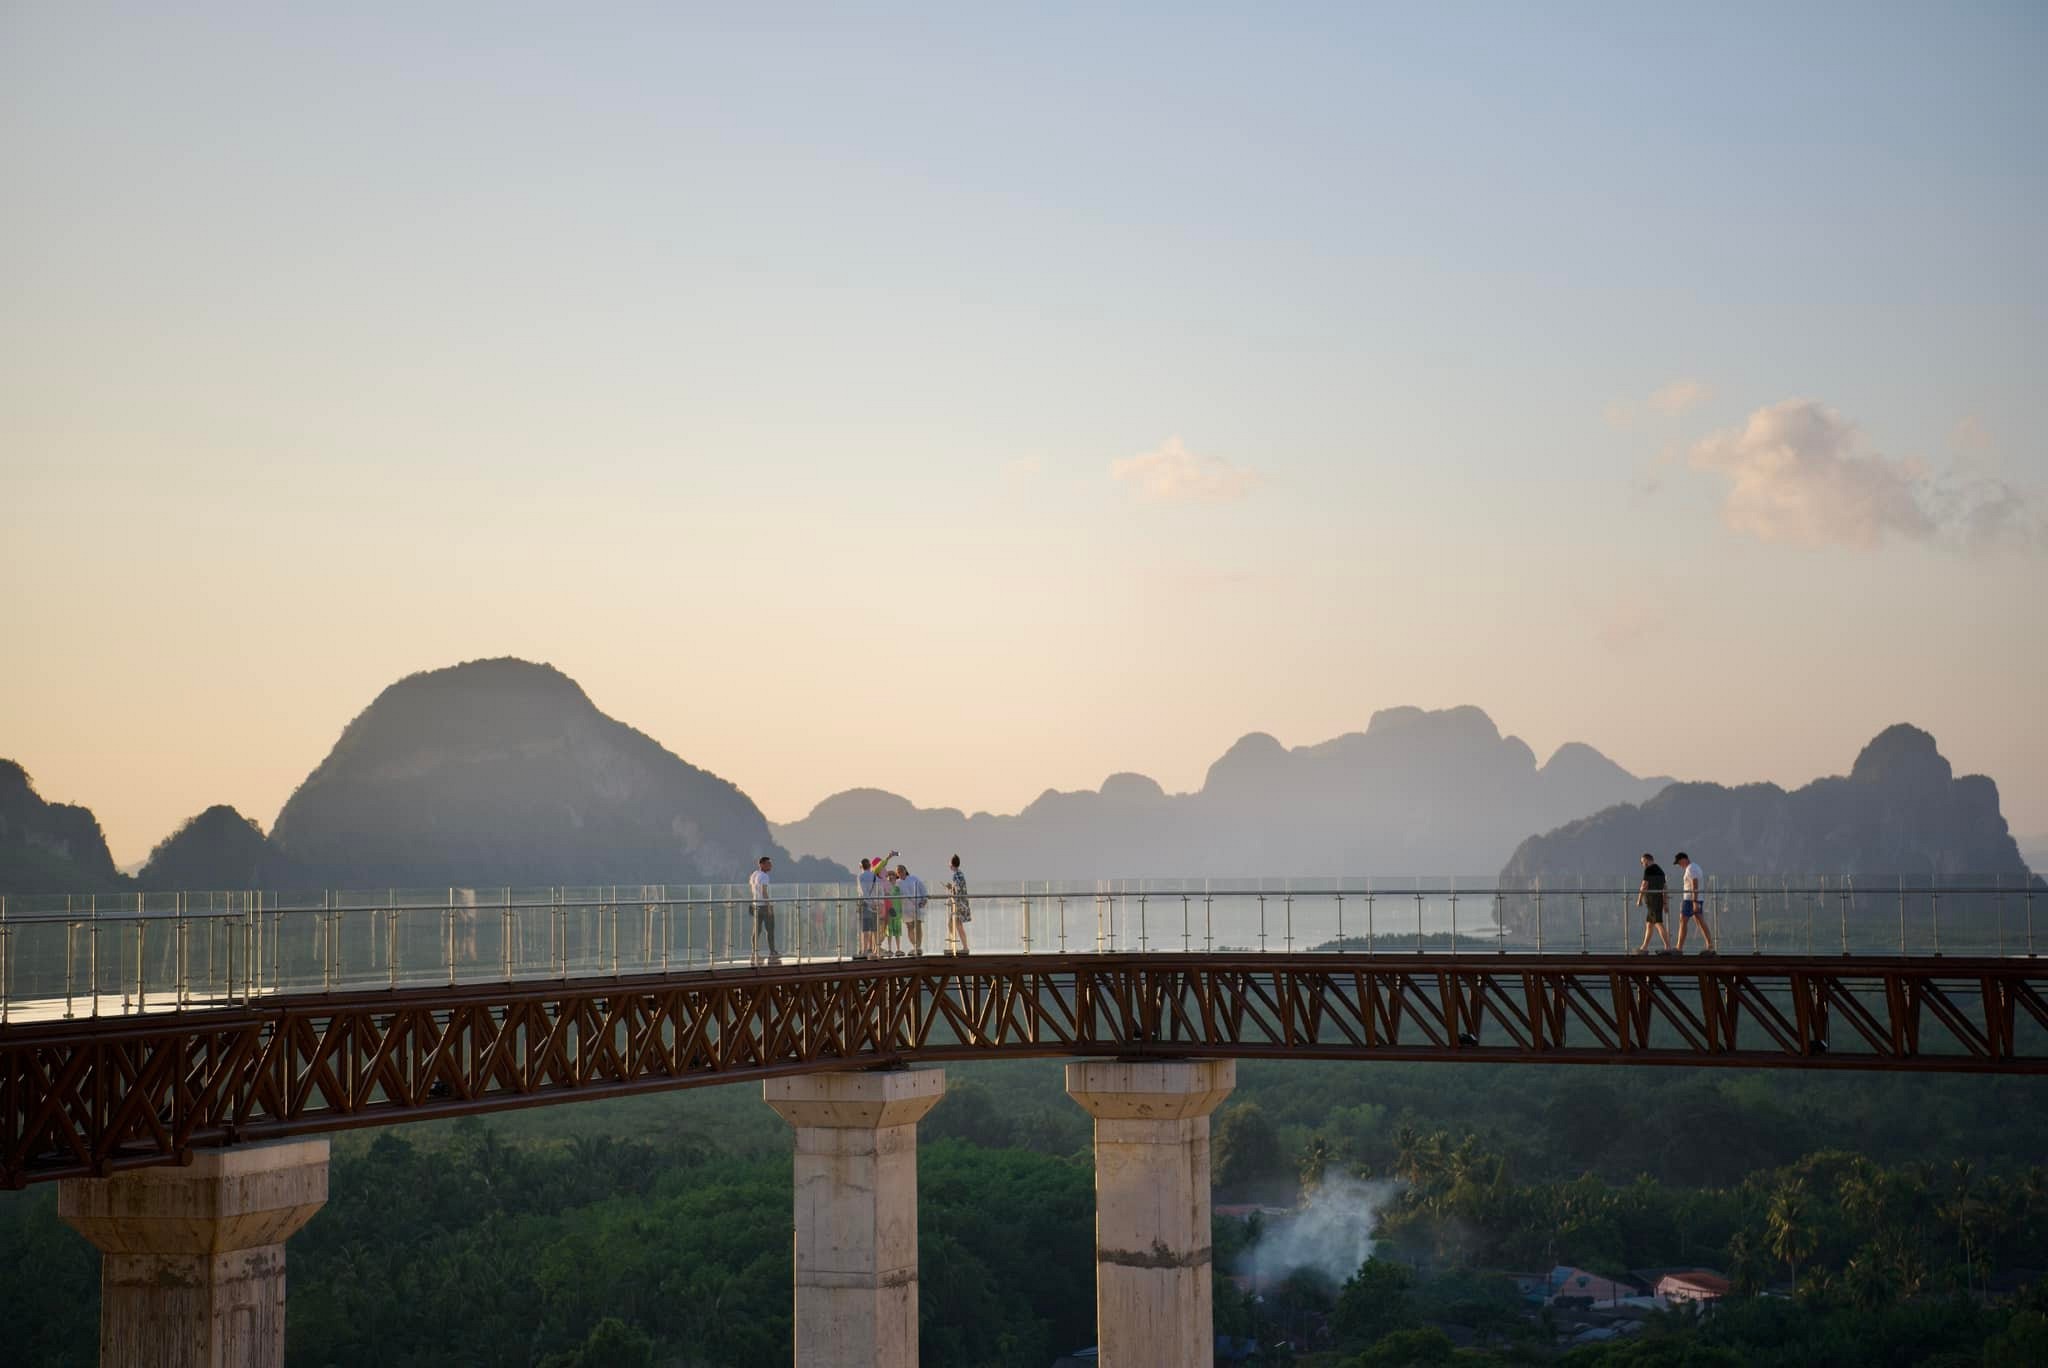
{"x":972,"y":400}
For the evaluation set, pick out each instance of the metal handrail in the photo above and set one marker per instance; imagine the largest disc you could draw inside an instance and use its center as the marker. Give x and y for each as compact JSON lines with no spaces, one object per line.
{"x":107,"y":956}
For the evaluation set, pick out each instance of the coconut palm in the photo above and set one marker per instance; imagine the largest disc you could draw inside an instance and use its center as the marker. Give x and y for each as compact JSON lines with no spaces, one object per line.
{"x":1790,"y":1224}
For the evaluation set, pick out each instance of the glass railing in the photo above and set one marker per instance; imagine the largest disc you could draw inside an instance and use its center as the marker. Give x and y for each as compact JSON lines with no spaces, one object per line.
{"x":84,"y":956}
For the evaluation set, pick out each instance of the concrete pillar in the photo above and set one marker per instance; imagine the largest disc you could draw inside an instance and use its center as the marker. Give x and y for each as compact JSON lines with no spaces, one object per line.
{"x":192,"y":1259}
{"x":856,"y":1212}
{"x":1154,"y":1306}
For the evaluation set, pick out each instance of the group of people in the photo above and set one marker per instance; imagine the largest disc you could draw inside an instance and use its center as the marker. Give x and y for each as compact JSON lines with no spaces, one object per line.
{"x":1650,"y":896}
{"x":891,"y":901}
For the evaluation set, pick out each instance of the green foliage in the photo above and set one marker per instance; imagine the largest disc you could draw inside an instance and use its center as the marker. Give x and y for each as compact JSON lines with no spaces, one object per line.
{"x":1404,"y":1348}
{"x":1375,"y":1302}
{"x":577,"y":1235}
{"x":1245,"y":1151}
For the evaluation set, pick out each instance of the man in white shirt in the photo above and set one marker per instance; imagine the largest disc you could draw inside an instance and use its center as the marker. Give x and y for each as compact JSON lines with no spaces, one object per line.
{"x":911,"y":889}
{"x":1694,"y":907}
{"x":764,"y":911}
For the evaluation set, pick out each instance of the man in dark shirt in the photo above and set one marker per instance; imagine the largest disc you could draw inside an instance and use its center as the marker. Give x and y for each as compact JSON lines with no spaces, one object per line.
{"x":1650,"y":897}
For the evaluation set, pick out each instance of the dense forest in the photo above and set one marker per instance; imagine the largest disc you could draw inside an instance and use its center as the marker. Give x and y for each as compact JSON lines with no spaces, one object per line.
{"x":1862,"y":1220}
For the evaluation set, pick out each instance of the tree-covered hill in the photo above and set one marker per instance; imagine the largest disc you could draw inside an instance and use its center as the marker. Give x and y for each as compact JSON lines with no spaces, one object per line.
{"x":49,"y":847}
{"x":504,"y":772}
{"x":1901,"y":810}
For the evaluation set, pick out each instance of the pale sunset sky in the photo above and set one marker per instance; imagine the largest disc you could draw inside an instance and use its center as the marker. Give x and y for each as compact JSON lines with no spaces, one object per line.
{"x":968,"y":400}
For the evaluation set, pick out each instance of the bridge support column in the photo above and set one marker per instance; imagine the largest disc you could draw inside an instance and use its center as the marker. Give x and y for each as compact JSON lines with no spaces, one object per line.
{"x":1154,"y":1306}
{"x":192,"y":1258}
{"x":856,"y":1212}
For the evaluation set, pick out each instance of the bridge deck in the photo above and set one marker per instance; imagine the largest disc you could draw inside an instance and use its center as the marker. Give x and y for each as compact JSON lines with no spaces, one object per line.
{"x":87,"y":1096}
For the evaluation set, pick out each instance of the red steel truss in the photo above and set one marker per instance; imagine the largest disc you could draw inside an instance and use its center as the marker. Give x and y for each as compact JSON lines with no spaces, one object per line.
{"x":90,"y":1097}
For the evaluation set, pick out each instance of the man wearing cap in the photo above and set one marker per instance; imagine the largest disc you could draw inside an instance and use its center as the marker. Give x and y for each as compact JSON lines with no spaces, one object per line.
{"x":764,"y":911}
{"x":1694,"y":907}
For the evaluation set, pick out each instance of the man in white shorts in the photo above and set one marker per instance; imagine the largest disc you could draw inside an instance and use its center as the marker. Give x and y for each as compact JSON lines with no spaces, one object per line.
{"x":1694,"y":907}
{"x":911,"y":889}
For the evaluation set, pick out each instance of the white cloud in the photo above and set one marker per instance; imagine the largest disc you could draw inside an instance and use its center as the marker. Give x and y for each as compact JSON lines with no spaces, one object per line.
{"x":1667,"y":401}
{"x":1970,"y":434}
{"x":1680,"y":397}
{"x":1798,"y":475}
{"x":1170,"y":473}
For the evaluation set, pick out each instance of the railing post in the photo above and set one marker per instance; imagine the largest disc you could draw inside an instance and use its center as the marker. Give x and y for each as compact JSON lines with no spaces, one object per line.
{"x":1934,"y":913}
{"x":1144,"y":942}
{"x":1902,"y":915}
{"x":1340,"y":923}
{"x":1585,"y":945}
{"x":1186,"y":939}
{"x":1262,"y":923}
{"x":1288,"y":918}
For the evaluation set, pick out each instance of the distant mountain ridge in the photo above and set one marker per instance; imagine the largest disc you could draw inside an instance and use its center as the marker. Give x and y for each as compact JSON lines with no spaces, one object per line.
{"x":1901,"y":810}
{"x":49,"y":847}
{"x":219,"y":848}
{"x":504,"y":772}
{"x":1417,"y":791}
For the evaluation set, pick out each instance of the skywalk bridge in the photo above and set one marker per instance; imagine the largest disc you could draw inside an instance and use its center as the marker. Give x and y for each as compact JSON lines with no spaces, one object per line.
{"x":150,"y":1044}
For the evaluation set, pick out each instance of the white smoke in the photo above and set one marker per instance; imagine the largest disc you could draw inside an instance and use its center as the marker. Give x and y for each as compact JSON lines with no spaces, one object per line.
{"x":1332,"y":1234}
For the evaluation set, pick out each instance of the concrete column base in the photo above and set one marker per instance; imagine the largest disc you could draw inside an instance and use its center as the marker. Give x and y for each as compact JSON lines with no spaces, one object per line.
{"x":1154,"y":1305}
{"x":856,"y":1212}
{"x":192,"y":1259}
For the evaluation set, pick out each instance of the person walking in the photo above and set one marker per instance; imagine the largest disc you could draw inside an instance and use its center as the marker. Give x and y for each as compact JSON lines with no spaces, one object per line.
{"x":1693,"y":907}
{"x":914,"y":899}
{"x":958,"y":911}
{"x":761,"y":895}
{"x":1650,"y":897}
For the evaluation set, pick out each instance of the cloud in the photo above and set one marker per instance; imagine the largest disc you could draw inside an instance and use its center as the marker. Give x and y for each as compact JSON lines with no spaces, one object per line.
{"x":1680,"y":397}
{"x":1970,"y":434}
{"x":1170,"y":473}
{"x":1798,"y":475}
{"x":1627,"y":622}
{"x":1668,"y":401}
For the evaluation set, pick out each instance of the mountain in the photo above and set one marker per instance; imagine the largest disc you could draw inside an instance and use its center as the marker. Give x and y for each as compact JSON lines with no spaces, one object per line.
{"x":220,"y":848}
{"x":1900,"y":811}
{"x":1416,"y":792}
{"x":49,"y":847}
{"x":504,"y":772}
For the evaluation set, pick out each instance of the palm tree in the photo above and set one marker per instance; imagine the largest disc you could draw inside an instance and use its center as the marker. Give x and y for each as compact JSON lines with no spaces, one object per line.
{"x":1746,"y":1267}
{"x":1791,"y":1230}
{"x":1866,"y":1279}
{"x":1315,"y":1158}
